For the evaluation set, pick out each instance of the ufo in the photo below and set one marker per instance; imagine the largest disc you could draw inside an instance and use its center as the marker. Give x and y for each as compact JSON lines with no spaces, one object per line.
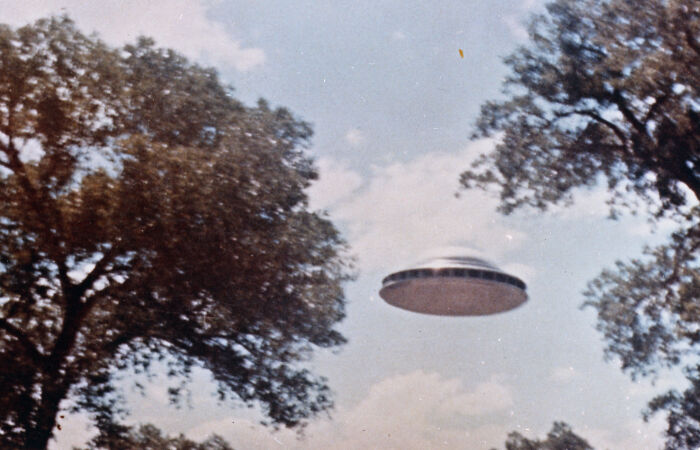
{"x":454,"y":286}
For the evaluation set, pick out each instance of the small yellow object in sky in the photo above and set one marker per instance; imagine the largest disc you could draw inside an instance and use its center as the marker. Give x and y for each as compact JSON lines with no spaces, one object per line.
{"x":461,"y":53}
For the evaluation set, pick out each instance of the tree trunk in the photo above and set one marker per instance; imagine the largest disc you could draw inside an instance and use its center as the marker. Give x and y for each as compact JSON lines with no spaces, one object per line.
{"x":55,"y":387}
{"x":41,"y":431}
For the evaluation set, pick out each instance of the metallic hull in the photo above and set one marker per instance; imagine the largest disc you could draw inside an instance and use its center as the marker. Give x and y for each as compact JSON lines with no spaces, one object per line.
{"x":453,"y":296}
{"x":454,"y":286}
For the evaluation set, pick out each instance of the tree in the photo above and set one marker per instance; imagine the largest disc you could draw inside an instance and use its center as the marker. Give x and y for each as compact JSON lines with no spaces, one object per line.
{"x":649,"y":313}
{"x":606,"y":88}
{"x":607,"y":91}
{"x":146,"y":214}
{"x":561,"y":437}
{"x":148,"y":437}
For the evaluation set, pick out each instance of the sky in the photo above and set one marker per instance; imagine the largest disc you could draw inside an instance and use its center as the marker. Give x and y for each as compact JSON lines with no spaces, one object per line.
{"x":393,"y":104}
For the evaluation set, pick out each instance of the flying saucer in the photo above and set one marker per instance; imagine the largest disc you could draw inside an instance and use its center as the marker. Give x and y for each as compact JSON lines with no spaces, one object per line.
{"x":454,"y":286}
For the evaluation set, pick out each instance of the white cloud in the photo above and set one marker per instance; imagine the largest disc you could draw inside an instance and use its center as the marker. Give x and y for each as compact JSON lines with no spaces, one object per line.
{"x":633,"y":435}
{"x":405,"y":209}
{"x":398,"y":35}
{"x":179,"y":24}
{"x":592,"y":204}
{"x":336,"y":182}
{"x":516,"y":27}
{"x":411,"y":411}
{"x":662,"y":227}
{"x":563,"y":374}
{"x":516,"y":22}
{"x":74,"y":432}
{"x":587,"y":204}
{"x":428,"y":397}
{"x":354,"y":136}
{"x":529,"y":4}
{"x":522,"y":271}
{"x":646,"y":389}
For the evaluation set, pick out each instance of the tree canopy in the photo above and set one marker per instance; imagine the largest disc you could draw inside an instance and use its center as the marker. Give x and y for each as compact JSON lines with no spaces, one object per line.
{"x":605,"y":88}
{"x":148,"y":437}
{"x":561,"y":437}
{"x":146,"y":214}
{"x":649,"y":314}
{"x":607,"y":91}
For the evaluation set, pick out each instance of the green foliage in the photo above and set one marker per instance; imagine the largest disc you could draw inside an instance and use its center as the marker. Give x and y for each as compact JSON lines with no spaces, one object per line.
{"x":146,"y":214}
{"x":608,"y":90}
{"x":561,"y":437}
{"x":649,"y":312}
{"x":648,"y":308}
{"x":604,"y":89}
{"x":683,"y":410}
{"x":148,"y":437}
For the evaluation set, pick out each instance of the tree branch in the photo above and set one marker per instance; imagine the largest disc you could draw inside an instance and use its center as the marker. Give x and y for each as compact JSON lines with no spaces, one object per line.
{"x":674,"y":276}
{"x":652,"y":110}
{"x":690,"y":39}
{"x":95,"y":273}
{"x":76,"y":311}
{"x":28,"y":345}
{"x":619,"y":100}
{"x":14,"y":163}
{"x":598,"y":118}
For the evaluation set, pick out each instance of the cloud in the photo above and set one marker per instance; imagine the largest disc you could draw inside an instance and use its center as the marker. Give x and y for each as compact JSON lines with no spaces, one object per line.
{"x":586,"y":204}
{"x":530,"y":4}
{"x":336,"y":182}
{"x":415,"y":410}
{"x":74,"y":432}
{"x":354,"y":137}
{"x":646,"y":389}
{"x":563,"y":374}
{"x":522,"y":271}
{"x":404,"y":209}
{"x":180,"y":24}
{"x":664,"y":226}
{"x":516,"y":22}
{"x":516,"y":27}
{"x":398,"y":35}
{"x":430,"y":397}
{"x":409,"y":411}
{"x":632,"y":435}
